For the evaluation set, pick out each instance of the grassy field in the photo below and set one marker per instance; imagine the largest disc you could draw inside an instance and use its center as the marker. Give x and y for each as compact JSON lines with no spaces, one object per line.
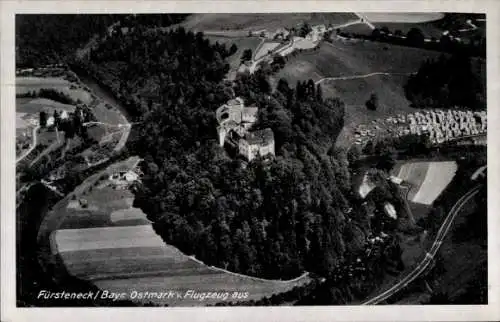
{"x":357,"y":59}
{"x":354,"y":58}
{"x":429,"y":29}
{"x":259,"y":21}
{"x":438,"y":176}
{"x":34,"y":106}
{"x":113,"y":245}
{"x":29,"y":84}
{"x":241,"y":42}
{"x":108,"y":115}
{"x":359,"y":28}
{"x":355,"y":92}
{"x":265,"y":48}
{"x":410,"y":17}
{"x":428,"y":179}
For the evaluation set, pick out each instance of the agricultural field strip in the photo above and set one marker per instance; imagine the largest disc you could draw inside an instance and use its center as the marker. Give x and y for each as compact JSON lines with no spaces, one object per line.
{"x":438,"y":176}
{"x":264,"y":49}
{"x":263,"y":40}
{"x":91,"y":239}
{"x":413,"y":173}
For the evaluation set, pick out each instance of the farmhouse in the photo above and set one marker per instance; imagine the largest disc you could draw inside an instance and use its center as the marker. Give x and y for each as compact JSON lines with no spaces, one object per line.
{"x":64,"y":115}
{"x":123,"y":178}
{"x":235,"y":121}
{"x":50,"y":121}
{"x":390,"y":210}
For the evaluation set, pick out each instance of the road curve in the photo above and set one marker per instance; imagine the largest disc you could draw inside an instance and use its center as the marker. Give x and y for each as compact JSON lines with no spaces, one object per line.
{"x":430,"y":254}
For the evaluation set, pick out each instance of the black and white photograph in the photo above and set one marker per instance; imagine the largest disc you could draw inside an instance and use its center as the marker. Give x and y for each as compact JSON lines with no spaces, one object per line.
{"x":250,"y":159}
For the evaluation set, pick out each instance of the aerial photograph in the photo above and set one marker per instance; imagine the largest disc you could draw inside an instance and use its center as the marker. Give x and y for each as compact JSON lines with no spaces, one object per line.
{"x":251,"y":159}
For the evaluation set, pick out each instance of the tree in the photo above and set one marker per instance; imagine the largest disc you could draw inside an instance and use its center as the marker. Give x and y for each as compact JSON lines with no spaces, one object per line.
{"x":376,"y":33}
{"x":319,"y":93}
{"x":246,"y":56}
{"x":372,"y":103}
{"x":415,"y":37}
{"x":57,"y":119}
{"x":233,"y":49}
{"x":43,"y":119}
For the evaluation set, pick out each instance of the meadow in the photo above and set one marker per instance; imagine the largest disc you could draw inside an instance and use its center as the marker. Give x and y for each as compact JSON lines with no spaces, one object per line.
{"x":409,"y":17}
{"x":350,"y":64}
{"x":265,"y":48}
{"x":427,"y":179}
{"x":241,"y":43}
{"x":113,"y":245}
{"x":29,"y":84}
{"x":348,"y":58}
{"x":260,"y":21}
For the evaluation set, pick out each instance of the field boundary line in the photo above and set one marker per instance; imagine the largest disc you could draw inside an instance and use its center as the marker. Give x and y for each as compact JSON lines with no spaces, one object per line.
{"x":362,"y":76}
{"x":303,"y":276}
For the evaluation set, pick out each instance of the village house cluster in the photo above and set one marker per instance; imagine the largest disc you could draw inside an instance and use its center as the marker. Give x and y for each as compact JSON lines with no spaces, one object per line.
{"x":440,"y":125}
{"x":235,"y":122}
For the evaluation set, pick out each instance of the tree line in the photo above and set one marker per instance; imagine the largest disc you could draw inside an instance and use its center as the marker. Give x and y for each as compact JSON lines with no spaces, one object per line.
{"x":453,"y":81}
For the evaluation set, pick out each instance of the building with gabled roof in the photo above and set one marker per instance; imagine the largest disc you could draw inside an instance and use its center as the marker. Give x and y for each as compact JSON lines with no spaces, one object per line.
{"x":235,"y":121}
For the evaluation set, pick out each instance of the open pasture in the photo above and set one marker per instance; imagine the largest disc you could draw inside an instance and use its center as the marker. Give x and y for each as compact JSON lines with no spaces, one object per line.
{"x":340,"y":59}
{"x":35,"y":106}
{"x":351,"y":71}
{"x":107,"y":114}
{"x":438,"y":176}
{"x":241,"y":42}
{"x":409,"y":17}
{"x":427,"y":179}
{"x":260,"y":21}
{"x":123,"y":259}
{"x":200,"y":282}
{"x":266,"y":48}
{"x":358,"y":28}
{"x":29,"y":84}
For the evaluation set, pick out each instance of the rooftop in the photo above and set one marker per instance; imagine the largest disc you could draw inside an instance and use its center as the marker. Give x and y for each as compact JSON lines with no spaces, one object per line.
{"x":260,"y":137}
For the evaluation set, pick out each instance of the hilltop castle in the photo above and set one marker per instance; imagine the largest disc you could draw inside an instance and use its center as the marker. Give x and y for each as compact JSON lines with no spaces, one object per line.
{"x":235,"y":121}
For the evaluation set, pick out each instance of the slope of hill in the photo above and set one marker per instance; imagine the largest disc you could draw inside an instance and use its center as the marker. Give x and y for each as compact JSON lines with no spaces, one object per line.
{"x":259,"y":21}
{"x":350,"y":70}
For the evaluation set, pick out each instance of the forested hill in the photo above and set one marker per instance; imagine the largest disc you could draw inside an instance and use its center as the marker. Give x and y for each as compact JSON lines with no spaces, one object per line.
{"x":43,"y":39}
{"x":272,"y":219}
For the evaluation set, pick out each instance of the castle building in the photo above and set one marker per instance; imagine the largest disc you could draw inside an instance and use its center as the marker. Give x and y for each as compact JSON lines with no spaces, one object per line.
{"x":235,"y":121}
{"x":257,"y":143}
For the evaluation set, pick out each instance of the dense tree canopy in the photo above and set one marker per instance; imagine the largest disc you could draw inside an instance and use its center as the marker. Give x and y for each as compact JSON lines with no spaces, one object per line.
{"x":455,"y":81}
{"x":273,"y":219}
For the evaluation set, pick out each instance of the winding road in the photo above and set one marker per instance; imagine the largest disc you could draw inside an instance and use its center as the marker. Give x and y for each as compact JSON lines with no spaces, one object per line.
{"x":424,"y":264}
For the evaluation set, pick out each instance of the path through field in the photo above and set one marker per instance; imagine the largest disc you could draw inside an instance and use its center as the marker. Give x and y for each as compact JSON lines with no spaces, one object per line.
{"x":32,"y":146}
{"x":361,"y":76}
